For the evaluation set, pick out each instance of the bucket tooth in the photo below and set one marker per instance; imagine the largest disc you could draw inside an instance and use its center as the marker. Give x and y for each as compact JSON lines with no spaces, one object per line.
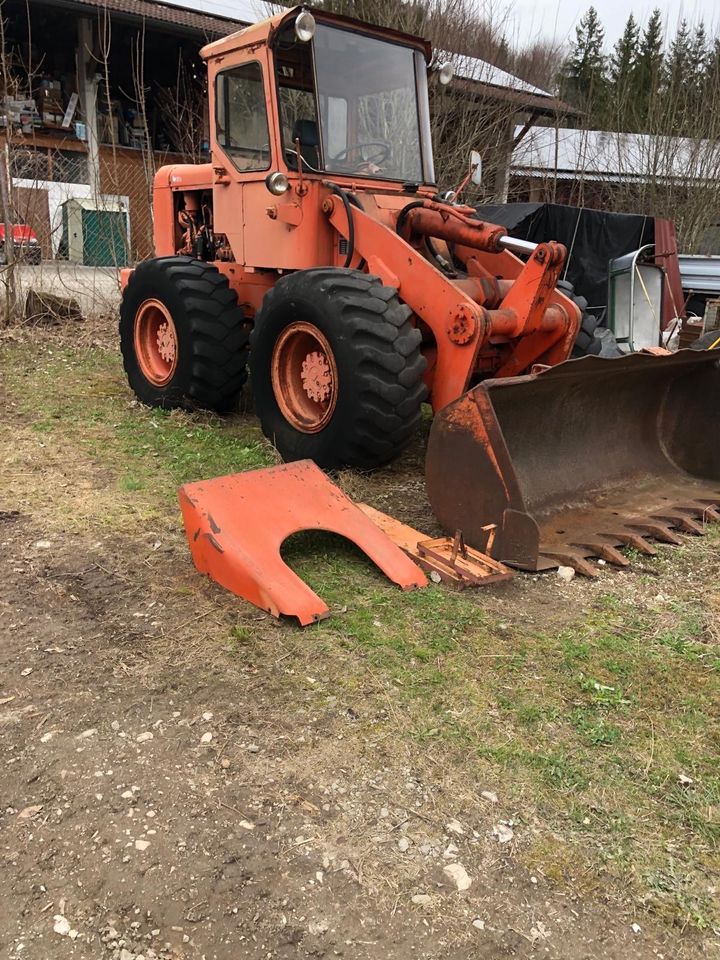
{"x":697,"y":511}
{"x":605,"y":551}
{"x":709,"y":509}
{"x":635,"y":541}
{"x":657,"y":530}
{"x":681,"y":521}
{"x":572,"y":558}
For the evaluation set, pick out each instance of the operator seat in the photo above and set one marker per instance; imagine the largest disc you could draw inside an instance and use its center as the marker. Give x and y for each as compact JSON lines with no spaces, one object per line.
{"x":306,"y":131}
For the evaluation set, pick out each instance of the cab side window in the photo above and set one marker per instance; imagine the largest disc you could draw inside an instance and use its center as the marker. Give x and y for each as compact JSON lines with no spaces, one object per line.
{"x":241,"y":117}
{"x":295,"y":81}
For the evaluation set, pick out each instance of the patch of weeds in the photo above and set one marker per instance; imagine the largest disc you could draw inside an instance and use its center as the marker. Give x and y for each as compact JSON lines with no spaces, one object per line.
{"x":596,"y":731}
{"x":602,"y":694}
{"x":671,"y":893}
{"x":555,"y":859}
{"x":529,"y":713}
{"x":620,"y":668}
{"x":559,"y":769}
{"x":608,"y":602}
{"x":45,"y":426}
{"x":240,"y":637}
{"x":514,"y":662}
{"x":574,"y":648}
{"x":129,"y":484}
{"x":687,"y":647}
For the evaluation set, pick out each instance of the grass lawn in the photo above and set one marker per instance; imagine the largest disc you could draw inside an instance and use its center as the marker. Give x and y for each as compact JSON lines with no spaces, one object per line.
{"x":594,"y":706}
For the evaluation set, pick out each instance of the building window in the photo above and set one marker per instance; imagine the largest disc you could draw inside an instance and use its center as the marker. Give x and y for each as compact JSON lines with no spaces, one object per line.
{"x":42,"y":164}
{"x":241,"y":117}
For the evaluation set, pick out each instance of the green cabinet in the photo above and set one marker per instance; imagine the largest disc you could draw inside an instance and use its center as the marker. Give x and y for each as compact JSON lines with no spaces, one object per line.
{"x":96,"y":233}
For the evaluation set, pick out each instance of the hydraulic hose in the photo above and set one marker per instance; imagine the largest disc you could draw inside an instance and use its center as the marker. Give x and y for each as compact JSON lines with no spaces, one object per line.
{"x":346,"y":202}
{"x":400,"y":226}
{"x":403,"y":215}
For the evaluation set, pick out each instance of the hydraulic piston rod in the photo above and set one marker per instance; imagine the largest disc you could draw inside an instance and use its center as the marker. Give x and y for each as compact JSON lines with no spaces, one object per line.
{"x":516,"y":245}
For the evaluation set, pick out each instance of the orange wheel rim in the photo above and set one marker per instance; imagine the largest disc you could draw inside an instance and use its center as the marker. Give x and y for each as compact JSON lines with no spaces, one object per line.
{"x":304,"y":377}
{"x":156,"y":346}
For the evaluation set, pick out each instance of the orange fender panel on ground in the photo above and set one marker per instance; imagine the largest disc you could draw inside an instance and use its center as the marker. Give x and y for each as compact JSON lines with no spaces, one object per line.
{"x":236,"y":525}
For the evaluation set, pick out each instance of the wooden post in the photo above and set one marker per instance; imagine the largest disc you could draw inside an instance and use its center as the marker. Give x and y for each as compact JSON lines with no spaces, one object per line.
{"x":88,"y":78}
{"x":7,"y":216}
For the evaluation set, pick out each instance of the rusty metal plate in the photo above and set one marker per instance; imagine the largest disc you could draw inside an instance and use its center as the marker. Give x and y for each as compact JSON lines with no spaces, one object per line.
{"x":446,"y":558}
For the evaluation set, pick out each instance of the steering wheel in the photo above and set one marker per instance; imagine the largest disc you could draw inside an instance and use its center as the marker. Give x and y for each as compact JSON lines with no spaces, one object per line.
{"x":383,"y":151}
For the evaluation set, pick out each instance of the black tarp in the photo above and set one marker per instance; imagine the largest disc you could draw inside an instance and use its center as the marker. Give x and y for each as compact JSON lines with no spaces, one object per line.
{"x":593,"y":238}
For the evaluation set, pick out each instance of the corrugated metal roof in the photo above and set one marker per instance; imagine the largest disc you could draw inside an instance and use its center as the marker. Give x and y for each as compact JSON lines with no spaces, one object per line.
{"x":191,"y":20}
{"x":239,"y":11}
{"x":472,"y":68}
{"x":701,"y":274}
{"x":604,"y":155}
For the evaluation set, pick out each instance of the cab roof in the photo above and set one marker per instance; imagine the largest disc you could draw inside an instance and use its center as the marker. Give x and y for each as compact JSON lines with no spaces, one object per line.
{"x":263,"y":32}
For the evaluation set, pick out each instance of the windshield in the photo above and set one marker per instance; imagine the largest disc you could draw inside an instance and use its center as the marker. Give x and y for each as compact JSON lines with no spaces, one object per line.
{"x":373,"y":107}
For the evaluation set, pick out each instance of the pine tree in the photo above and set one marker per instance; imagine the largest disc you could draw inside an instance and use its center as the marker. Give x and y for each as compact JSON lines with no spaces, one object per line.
{"x":649,"y":65}
{"x":625,"y":53}
{"x":678,"y":64}
{"x":711,"y":70}
{"x":710,"y":80}
{"x":678,"y":81}
{"x":623,"y":67}
{"x":700,"y":54}
{"x":699,"y":51}
{"x":504,"y":56}
{"x":583,"y":76}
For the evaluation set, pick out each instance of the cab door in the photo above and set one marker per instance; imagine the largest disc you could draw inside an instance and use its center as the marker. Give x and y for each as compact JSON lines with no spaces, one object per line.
{"x":242,"y":147}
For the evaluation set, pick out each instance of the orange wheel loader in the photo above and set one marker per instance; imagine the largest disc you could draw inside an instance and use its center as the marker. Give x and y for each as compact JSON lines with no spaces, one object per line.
{"x":315,"y":250}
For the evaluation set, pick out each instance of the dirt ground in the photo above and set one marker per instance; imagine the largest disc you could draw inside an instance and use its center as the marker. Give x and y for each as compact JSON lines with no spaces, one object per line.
{"x":184,"y":778}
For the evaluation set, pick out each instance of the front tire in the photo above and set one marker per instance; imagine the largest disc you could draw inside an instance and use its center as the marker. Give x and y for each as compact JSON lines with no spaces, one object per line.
{"x":336,"y":369}
{"x":182,"y":335}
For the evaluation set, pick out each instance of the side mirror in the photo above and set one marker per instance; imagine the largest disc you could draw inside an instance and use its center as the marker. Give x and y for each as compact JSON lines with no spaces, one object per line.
{"x":475,"y":168}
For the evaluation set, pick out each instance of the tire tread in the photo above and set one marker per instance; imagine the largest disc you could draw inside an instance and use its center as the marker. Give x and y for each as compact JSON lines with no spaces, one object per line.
{"x":218,"y":341}
{"x":389,"y":367}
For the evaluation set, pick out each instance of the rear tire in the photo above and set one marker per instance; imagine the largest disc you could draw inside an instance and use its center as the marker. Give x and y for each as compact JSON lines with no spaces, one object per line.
{"x":586,"y":343}
{"x":182,"y":336}
{"x":336,"y":369}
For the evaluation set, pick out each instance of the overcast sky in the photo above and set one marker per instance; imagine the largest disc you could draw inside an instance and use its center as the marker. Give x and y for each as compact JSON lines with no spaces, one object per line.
{"x":558,"y":18}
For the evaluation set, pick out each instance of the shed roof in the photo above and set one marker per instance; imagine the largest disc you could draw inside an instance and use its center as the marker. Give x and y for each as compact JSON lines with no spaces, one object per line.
{"x":566,"y":153}
{"x":190,"y":16}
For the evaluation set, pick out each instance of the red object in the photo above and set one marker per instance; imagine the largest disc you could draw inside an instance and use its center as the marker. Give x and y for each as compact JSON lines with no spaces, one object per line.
{"x":666,"y":255}
{"x":21,"y":233}
{"x":237,"y":524}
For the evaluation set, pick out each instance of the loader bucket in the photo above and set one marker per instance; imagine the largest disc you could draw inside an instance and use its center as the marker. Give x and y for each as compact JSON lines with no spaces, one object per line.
{"x":580,"y":459}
